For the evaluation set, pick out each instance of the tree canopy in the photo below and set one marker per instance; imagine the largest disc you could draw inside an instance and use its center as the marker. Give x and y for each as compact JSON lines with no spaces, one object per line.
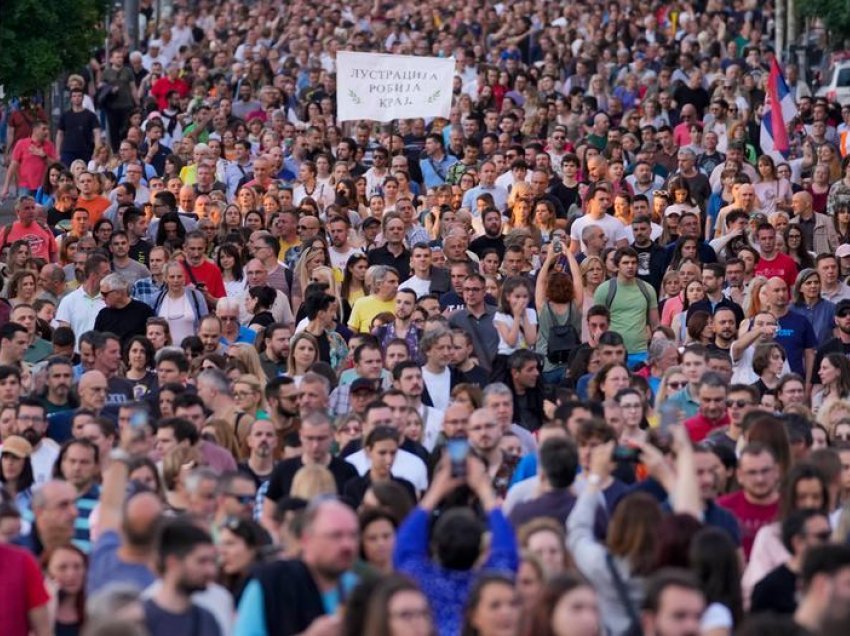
{"x":40,"y":40}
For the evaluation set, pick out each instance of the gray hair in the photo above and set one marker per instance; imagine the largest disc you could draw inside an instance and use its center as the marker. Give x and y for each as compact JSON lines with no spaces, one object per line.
{"x":497,"y":388}
{"x":380,"y":272}
{"x":217,"y":379}
{"x":226,"y":303}
{"x":193,"y":480}
{"x":312,"y":377}
{"x":107,"y":602}
{"x":316,"y":418}
{"x":658,"y":347}
{"x":115,"y":282}
{"x":431,"y":337}
{"x":687,"y":152}
{"x":713,"y":380}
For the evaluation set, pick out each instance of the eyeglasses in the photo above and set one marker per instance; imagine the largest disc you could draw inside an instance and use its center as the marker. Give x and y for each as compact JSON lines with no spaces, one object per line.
{"x":676,"y":385}
{"x":243,"y":394}
{"x":738,"y":404}
{"x":242,"y":499}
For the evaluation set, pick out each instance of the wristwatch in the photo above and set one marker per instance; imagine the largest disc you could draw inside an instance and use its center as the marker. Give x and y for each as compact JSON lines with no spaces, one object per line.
{"x":119,"y":455}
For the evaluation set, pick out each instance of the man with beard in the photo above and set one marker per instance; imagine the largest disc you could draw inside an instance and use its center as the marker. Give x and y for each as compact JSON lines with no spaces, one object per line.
{"x":14,"y":341}
{"x":31,"y":424}
{"x":125,"y":549}
{"x":839,"y":343}
{"x":297,"y":596}
{"x":283,"y":396}
{"x":187,"y":562}
{"x":673,"y":605}
{"x":492,"y":237}
{"x":825,"y":587}
{"x":725,"y":329}
{"x":57,"y":395}
{"x":276,"y":340}
{"x":262,"y":442}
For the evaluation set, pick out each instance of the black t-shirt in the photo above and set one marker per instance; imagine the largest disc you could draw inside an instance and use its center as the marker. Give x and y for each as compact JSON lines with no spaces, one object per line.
{"x":79,"y":132}
{"x":196,"y":621}
{"x":280,"y":483}
{"x":484,"y":242}
{"x":833,"y":345}
{"x":140,"y":252}
{"x":54,"y":217}
{"x":776,"y":592}
{"x":125,"y":323}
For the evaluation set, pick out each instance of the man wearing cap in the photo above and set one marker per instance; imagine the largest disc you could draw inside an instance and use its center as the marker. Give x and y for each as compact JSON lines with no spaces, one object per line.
{"x":839,"y":343}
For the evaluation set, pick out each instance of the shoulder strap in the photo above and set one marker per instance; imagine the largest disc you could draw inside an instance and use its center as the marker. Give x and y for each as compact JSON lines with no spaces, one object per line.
{"x":6,"y":231}
{"x":623,"y":594}
{"x":612,"y":291}
{"x":644,"y":289}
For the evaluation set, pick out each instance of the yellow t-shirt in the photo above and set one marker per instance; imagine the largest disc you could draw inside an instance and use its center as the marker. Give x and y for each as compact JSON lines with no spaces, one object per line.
{"x":365,"y":310}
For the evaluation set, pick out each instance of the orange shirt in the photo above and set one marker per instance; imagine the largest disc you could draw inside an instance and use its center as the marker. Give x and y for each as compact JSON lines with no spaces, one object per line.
{"x":95,"y":206}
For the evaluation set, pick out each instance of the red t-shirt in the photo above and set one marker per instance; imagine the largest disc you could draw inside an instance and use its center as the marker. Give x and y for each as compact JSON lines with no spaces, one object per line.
{"x":699,"y":426}
{"x":31,"y":167}
{"x":751,"y":517}
{"x":782,"y":265}
{"x":21,"y":589}
{"x":42,"y":242}
{"x":209,"y":274}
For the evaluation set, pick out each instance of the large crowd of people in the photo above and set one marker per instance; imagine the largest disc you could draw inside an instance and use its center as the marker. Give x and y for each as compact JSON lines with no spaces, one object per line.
{"x":572,"y":361}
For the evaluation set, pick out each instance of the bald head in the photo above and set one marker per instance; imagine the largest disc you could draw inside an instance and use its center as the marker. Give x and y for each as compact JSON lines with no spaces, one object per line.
{"x":256,"y":273}
{"x":141,"y":520}
{"x":92,"y":390}
{"x":801,"y":203}
{"x":455,"y":418}
{"x":330,"y":538}
{"x":777,"y":294}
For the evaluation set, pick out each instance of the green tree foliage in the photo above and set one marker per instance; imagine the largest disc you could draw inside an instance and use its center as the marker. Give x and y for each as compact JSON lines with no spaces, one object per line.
{"x":40,"y":39}
{"x":834,"y":13}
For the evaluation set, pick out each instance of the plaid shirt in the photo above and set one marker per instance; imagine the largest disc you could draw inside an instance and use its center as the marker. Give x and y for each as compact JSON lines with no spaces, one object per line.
{"x":146,"y":290}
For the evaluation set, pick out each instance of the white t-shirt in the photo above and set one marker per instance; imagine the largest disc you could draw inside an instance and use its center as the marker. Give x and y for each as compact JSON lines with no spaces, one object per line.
{"x":340,"y":259}
{"x":79,"y":311}
{"x":406,"y":466}
{"x":508,"y":321}
{"x":180,"y":316}
{"x":43,"y":459}
{"x":421,"y":286}
{"x":742,"y":370}
{"x":439,"y":387}
{"x":613,"y":228}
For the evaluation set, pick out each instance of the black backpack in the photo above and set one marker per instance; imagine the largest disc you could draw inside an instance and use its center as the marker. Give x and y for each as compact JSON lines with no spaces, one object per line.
{"x":563,"y":339}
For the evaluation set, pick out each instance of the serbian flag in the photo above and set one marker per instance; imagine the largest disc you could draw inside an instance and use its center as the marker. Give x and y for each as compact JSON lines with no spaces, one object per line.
{"x":779,"y":109}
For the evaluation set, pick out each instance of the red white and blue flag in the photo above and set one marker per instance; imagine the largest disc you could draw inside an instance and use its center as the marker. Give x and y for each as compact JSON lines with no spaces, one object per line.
{"x":779,"y":110}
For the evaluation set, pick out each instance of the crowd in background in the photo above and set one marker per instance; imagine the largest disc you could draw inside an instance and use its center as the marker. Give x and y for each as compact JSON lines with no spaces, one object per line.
{"x":572,"y":361}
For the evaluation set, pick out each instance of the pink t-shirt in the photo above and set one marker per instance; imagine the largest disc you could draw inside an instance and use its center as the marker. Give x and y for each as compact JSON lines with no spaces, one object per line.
{"x":42,"y":243}
{"x":31,"y":167}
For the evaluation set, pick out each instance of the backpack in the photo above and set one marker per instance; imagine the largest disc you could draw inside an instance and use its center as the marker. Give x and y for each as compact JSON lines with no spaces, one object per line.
{"x":563,"y":339}
{"x":644,"y":289}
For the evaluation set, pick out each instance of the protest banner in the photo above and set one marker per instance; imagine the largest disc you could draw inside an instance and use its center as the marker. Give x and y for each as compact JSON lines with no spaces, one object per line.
{"x":387,"y":87}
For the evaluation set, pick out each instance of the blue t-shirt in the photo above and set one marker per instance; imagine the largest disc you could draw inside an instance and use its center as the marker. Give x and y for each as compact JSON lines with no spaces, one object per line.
{"x":796,"y":334}
{"x":105,"y":567}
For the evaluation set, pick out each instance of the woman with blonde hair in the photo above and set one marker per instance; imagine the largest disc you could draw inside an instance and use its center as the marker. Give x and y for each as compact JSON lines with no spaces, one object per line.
{"x":220,"y":433}
{"x":832,"y":413}
{"x":312,"y":481}
{"x":672,"y":381}
{"x":592,"y":276}
{"x":247,"y":355}
{"x":176,"y":465}
{"x":248,"y":395}
{"x":311,"y":257}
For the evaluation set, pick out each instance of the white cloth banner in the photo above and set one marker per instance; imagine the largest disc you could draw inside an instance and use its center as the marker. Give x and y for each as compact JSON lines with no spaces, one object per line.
{"x":387,"y":87}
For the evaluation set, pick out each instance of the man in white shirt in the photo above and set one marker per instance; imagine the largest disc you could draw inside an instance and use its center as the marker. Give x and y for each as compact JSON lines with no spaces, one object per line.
{"x":339,"y":231}
{"x":599,"y":200}
{"x":78,"y":310}
{"x":31,"y":424}
{"x":436,"y":345}
{"x":406,"y":465}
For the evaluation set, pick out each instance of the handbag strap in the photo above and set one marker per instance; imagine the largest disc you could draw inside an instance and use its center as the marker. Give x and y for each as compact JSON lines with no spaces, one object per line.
{"x":622,"y":592}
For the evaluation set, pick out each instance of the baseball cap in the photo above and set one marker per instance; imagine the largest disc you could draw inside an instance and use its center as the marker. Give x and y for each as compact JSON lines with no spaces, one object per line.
{"x":843,"y":250}
{"x":17,"y":446}
{"x":155,"y":44}
{"x":842,"y":306}
{"x":369,"y":222}
{"x":362,"y":384}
